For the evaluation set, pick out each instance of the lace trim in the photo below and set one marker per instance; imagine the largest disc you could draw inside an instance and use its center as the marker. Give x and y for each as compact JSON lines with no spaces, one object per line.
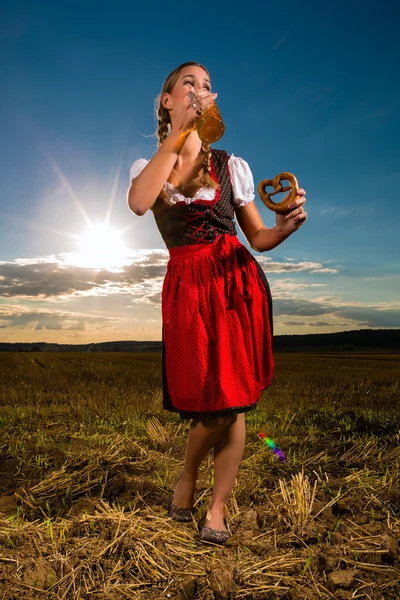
{"x":174,"y":193}
{"x":197,"y":197}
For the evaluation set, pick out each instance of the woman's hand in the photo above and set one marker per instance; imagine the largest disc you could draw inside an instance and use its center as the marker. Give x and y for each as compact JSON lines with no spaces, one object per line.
{"x":296,"y":217}
{"x":204,"y":100}
{"x":185,"y":115}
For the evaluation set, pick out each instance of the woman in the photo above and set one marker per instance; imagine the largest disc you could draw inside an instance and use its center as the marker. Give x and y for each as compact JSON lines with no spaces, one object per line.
{"x":216,"y":302}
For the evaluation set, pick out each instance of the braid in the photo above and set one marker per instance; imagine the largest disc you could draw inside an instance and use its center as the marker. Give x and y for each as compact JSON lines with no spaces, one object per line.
{"x":162,"y":132}
{"x":207,"y":180}
{"x":163,"y":122}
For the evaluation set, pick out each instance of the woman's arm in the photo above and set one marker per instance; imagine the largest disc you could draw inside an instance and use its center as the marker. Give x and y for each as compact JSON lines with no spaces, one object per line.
{"x":262,"y":238}
{"x":146,"y":187}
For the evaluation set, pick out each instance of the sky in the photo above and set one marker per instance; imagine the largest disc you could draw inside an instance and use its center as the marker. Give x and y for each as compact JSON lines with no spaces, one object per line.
{"x":306,"y":87}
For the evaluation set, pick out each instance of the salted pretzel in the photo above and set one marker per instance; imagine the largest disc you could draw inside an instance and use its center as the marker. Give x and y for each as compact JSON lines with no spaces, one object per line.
{"x":279,"y":207}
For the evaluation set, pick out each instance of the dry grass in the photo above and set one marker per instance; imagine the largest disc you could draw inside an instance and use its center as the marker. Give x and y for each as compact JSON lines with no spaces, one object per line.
{"x":298,"y":500}
{"x":90,"y":460}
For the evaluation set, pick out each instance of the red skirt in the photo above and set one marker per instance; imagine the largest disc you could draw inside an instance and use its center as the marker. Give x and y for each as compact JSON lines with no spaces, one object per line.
{"x":217,"y":329}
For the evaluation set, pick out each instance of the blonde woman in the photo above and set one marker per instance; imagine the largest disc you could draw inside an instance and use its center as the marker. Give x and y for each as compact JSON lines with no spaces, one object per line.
{"x":216,"y":301}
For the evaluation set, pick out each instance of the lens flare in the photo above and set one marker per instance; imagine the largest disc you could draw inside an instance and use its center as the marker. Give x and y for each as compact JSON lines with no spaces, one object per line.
{"x":271,"y":445}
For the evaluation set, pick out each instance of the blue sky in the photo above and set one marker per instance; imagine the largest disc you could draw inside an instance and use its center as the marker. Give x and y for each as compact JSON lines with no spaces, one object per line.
{"x":306,"y":87}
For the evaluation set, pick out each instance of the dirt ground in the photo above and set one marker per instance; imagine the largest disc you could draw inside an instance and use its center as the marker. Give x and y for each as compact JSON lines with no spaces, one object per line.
{"x":84,"y":500}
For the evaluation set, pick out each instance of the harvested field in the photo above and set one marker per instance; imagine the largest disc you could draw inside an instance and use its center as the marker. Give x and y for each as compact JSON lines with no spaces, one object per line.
{"x":89,"y":461}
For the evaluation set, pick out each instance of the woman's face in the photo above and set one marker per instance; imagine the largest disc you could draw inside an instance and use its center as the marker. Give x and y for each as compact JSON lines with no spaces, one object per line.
{"x":190,"y":79}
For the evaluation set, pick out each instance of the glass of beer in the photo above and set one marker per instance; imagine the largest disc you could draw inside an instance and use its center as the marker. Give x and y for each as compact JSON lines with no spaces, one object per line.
{"x":209,"y":124}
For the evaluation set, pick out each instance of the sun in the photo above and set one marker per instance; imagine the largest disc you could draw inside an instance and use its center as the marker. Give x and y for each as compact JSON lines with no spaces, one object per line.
{"x":101,"y":247}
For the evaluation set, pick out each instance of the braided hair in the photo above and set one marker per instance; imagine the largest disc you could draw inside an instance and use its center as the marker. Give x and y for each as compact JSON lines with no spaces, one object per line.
{"x":164,"y":123}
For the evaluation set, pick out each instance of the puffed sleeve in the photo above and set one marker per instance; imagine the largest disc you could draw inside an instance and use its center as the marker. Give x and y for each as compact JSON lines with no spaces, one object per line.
{"x":242,"y":181}
{"x":137,"y":167}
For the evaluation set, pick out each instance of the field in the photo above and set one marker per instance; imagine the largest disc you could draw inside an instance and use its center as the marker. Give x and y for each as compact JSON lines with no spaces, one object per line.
{"x":89,"y":461}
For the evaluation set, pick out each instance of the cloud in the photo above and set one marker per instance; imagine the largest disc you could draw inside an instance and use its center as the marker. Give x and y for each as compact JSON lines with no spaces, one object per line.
{"x":281,"y":40}
{"x":371,"y":317}
{"x":54,"y":323}
{"x":324,"y":324}
{"x":313,"y":324}
{"x":289,"y":285}
{"x":380,"y":278}
{"x":57,"y":277}
{"x":336,"y":211}
{"x":53,"y":277}
{"x":148,"y":292}
{"x":48,"y":281}
{"x":276,"y":267}
{"x":47,"y":319}
{"x":155,"y":299}
{"x":299,"y":307}
{"x":366,"y":315}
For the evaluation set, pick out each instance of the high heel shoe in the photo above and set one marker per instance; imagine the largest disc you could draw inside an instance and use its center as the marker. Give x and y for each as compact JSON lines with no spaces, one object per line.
{"x":216,"y":536}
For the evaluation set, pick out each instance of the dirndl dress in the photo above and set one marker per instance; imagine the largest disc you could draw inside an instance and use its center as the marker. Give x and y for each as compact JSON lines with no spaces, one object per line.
{"x":216,"y":308}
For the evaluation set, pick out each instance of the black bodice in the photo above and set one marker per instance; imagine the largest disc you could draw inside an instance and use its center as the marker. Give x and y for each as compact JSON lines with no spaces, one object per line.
{"x":203,"y":220}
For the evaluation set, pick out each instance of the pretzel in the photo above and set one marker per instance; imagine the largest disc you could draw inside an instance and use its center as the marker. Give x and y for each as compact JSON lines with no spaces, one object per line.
{"x":278,"y":207}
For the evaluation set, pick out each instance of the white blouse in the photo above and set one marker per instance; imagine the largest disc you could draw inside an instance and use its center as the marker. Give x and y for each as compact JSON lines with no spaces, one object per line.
{"x":241,"y":179}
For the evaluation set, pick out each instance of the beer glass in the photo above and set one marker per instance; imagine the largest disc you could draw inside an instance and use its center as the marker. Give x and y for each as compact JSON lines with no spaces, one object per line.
{"x":209,"y":124}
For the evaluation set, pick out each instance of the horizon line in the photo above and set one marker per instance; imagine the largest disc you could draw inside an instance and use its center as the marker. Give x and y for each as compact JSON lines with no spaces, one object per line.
{"x":370,"y":329}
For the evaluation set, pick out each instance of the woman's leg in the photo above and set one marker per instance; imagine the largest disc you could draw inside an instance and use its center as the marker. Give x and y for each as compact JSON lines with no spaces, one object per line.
{"x":203,"y":435}
{"x":228,"y":453}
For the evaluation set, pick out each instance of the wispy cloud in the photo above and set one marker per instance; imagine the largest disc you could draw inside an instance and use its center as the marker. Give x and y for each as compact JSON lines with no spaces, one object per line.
{"x":336,"y":211}
{"x":49,"y":319}
{"x":271,"y":266}
{"x":313,"y":324}
{"x":289,"y":285}
{"x":281,"y":40}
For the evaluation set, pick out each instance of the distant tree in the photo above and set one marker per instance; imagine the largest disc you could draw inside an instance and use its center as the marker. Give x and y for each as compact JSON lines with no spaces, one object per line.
{"x":346,"y":348}
{"x":36,"y":349}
